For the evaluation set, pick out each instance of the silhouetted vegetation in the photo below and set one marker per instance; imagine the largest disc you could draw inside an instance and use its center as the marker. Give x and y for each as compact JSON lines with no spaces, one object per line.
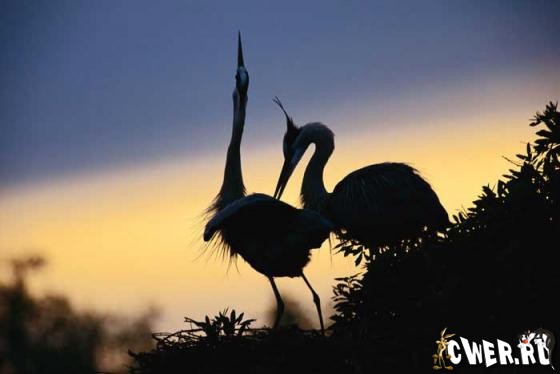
{"x":227,"y":344}
{"x":492,"y":275}
{"x":47,"y":335}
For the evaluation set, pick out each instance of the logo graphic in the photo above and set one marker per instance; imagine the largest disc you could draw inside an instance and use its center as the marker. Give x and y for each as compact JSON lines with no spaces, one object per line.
{"x":542,"y":338}
{"x":534,"y":347}
{"x":439,"y":360}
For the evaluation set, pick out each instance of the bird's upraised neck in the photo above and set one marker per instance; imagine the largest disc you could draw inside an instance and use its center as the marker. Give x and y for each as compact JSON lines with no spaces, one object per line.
{"x":232,"y":187}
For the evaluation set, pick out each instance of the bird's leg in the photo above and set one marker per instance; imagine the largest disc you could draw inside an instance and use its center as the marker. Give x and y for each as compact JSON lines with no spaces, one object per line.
{"x":317,"y":302}
{"x":279,"y":302}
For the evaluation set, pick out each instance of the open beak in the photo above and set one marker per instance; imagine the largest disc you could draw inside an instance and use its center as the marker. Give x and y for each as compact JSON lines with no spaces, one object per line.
{"x":287,"y":170}
{"x":242,"y":77}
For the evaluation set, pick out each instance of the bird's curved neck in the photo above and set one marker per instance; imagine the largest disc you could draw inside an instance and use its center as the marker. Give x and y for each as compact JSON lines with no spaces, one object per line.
{"x":313,"y":191}
{"x":232,"y":185}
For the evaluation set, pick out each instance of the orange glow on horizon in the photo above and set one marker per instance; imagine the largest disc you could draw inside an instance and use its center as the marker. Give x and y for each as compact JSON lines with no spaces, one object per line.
{"x":122,"y":239}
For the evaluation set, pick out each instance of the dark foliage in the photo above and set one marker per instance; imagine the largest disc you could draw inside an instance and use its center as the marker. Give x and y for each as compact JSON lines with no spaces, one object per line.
{"x":493,"y":274}
{"x":47,"y":335}
{"x":226,"y":344}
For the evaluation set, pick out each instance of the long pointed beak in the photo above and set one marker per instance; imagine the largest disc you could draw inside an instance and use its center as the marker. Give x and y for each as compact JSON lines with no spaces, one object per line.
{"x":240,"y":62}
{"x":285,"y":175}
{"x":287,"y":170}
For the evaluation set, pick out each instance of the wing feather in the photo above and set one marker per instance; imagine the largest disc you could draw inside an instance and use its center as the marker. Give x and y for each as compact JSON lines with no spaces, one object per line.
{"x":273,"y":237}
{"x":249,"y":211}
{"x":386,"y":195}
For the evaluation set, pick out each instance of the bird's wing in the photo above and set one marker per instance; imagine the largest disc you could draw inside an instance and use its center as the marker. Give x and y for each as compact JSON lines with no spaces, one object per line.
{"x":254,"y":211}
{"x":387,"y":193}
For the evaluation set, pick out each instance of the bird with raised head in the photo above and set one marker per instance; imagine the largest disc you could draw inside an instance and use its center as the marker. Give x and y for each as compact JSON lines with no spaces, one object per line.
{"x":376,"y":205}
{"x":275,"y":238}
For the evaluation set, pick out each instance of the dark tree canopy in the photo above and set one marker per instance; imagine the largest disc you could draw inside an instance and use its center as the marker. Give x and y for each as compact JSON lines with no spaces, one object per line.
{"x":491,"y":275}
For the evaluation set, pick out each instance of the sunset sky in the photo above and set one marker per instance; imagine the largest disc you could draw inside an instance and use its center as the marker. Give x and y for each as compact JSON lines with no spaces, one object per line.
{"x":115,"y":117}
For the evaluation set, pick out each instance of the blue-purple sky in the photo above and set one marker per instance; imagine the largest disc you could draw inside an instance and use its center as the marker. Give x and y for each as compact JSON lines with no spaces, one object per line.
{"x":90,"y":85}
{"x":115,"y":117}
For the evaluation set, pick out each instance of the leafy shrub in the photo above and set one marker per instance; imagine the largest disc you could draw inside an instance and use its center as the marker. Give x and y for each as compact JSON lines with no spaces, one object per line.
{"x":491,"y":275}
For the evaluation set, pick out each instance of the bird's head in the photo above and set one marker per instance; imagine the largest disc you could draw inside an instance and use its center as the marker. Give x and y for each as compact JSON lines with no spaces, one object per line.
{"x":296,"y":141}
{"x":242,"y":75}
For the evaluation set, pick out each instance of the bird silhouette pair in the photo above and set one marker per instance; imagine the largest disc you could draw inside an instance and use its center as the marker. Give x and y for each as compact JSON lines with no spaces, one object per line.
{"x":372,"y":205}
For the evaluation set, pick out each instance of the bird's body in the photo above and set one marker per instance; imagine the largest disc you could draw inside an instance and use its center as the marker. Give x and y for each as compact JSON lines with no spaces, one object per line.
{"x":396,"y":200}
{"x":273,"y":237}
{"x":375,"y":205}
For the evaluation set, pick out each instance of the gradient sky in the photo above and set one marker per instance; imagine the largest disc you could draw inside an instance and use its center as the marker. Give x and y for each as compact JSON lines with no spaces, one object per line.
{"x":114,"y":118}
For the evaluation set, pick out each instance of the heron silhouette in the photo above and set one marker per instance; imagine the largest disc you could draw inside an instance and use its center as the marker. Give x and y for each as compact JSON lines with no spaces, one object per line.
{"x":376,"y":205}
{"x":275,"y":238}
